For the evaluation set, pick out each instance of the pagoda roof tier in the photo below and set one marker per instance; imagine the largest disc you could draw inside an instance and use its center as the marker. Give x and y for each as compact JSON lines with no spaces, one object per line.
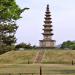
{"x":47,"y":21}
{"x":47,"y":25}
{"x":47,"y":12}
{"x":47,"y":34}
{"x":47,"y":18}
{"x":48,"y":29}
{"x":48,"y":40}
{"x":47,"y":15}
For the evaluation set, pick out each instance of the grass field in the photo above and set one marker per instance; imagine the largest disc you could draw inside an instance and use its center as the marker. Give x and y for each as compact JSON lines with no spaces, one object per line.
{"x":28,"y":56}
{"x":54,"y":62}
{"x":59,"y":56}
{"x":29,"y":69}
{"x":18,"y":57}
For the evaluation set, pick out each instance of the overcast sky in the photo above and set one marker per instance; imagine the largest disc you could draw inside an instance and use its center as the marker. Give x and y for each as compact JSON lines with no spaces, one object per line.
{"x":31,"y":25}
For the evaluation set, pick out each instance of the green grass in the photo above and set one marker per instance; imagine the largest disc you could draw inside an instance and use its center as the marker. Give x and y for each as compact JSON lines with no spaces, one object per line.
{"x":28,"y":56}
{"x":52,"y":69}
{"x":59,"y":56}
{"x":54,"y":62}
{"x":18,"y":57}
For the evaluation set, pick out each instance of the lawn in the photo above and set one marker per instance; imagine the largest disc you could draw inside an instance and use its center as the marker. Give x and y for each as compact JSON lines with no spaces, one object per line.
{"x":59,"y":57}
{"x":28,"y":56}
{"x":29,"y":69}
{"x":54,"y":62}
{"x":18,"y":57}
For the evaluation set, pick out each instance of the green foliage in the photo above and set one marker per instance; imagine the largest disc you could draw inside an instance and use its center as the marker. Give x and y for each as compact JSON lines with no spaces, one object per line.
{"x":68,"y":44}
{"x":7,"y":33}
{"x":34,"y":47}
{"x":5,"y":48}
{"x":73,"y":46}
{"x":10,"y":10}
{"x":9,"y":13}
{"x":23,"y":45}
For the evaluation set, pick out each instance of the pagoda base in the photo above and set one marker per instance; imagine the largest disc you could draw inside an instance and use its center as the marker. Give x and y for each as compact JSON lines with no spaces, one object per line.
{"x":47,"y":43}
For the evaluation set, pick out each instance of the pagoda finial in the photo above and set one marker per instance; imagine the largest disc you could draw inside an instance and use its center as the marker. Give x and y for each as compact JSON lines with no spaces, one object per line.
{"x":47,"y":7}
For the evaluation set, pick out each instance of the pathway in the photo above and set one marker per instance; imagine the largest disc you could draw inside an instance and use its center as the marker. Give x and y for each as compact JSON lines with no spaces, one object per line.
{"x":39,"y":56}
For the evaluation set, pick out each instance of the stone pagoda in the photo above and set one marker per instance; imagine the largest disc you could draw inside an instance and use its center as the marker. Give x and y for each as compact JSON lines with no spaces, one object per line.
{"x":47,"y":41}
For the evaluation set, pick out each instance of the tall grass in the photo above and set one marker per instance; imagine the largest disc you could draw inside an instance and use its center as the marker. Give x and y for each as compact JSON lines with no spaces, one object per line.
{"x":59,"y":56}
{"x":28,"y":57}
{"x":18,"y":57}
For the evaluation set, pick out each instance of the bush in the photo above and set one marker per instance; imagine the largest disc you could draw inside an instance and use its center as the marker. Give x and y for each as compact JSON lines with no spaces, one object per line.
{"x":23,"y":45}
{"x":5,"y":48}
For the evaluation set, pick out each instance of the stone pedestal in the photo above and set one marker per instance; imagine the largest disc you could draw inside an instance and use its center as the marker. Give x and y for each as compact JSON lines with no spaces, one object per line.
{"x":47,"y":43}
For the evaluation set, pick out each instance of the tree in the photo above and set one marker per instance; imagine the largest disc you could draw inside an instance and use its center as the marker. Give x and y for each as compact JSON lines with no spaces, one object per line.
{"x":68,"y":44}
{"x":10,"y":10}
{"x":72,"y":46}
{"x":23,"y":45}
{"x":9,"y":13}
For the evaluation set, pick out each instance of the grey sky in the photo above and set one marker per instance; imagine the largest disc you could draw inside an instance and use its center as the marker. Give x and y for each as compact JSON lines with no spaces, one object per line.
{"x":30,"y":26}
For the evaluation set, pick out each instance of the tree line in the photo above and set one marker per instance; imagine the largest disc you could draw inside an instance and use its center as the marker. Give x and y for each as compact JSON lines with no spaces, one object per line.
{"x":68,"y":45}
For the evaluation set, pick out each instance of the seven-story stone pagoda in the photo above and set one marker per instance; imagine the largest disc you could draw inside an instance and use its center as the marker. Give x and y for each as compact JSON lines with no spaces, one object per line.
{"x":47,"y":42}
